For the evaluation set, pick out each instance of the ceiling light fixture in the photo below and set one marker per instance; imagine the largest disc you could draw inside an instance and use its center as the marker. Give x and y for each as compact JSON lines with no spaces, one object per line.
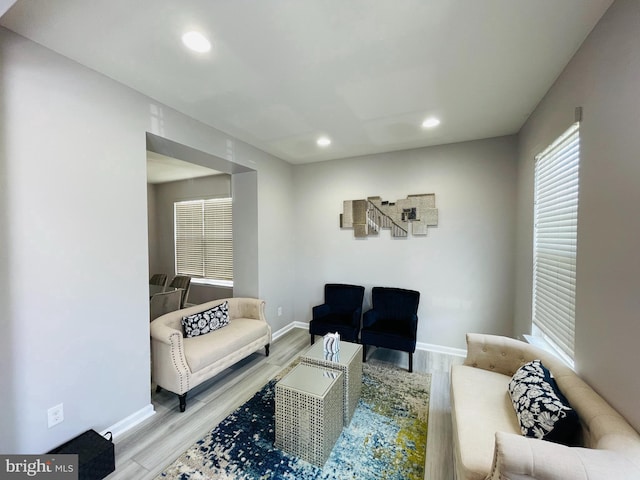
{"x":196,"y":42}
{"x":323,"y":141}
{"x":431,"y":122}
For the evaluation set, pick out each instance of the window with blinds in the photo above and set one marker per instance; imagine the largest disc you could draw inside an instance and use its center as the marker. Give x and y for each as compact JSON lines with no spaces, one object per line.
{"x":203,"y":239}
{"x":555,"y":239}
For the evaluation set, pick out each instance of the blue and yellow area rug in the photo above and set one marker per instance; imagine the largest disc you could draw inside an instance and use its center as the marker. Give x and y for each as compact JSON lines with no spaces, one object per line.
{"x":386,"y":438}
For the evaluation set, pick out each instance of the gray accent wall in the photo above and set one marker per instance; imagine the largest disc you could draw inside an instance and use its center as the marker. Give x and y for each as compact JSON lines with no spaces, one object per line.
{"x":464,"y":268}
{"x":74,"y":264}
{"x":604,"y":79}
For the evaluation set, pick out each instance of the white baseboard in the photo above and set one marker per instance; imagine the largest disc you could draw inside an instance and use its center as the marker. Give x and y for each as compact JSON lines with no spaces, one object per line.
{"x":131,"y":421}
{"x":459,"y":352}
{"x":288,"y":328}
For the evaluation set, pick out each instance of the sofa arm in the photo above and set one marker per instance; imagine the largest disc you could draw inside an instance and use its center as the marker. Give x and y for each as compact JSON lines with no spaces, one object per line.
{"x":320,"y":311}
{"x":162,"y":332}
{"x":500,"y":354}
{"x":170,"y":367}
{"x":240,"y":307}
{"x":356,"y":316}
{"x":369,"y":318}
{"x":519,"y":458}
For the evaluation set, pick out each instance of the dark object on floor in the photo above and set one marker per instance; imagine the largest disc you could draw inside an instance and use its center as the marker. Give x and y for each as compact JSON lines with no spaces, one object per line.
{"x":96,"y":457}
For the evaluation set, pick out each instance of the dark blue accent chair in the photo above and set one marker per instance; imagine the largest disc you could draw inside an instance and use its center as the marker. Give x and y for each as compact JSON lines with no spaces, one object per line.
{"x":340,"y":312}
{"x":392,"y":321}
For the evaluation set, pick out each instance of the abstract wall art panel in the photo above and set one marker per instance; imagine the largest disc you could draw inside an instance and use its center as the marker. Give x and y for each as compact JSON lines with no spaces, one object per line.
{"x":368,"y":217}
{"x":347,"y":214}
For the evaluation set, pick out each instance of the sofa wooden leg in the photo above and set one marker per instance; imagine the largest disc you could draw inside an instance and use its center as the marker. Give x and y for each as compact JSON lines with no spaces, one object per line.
{"x":410,"y":362}
{"x":183,"y":402}
{"x":313,"y":339}
{"x":266,"y":349}
{"x":364,"y":353}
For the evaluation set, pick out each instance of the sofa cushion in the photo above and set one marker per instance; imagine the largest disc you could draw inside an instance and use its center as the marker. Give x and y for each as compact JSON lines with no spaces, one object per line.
{"x":205,"y":350}
{"x":542,"y":409}
{"x":206,"y":321}
{"x":480,"y":406}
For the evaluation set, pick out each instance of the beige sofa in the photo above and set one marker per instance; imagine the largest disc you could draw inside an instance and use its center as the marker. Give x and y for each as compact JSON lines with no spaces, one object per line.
{"x":487,"y":439}
{"x":179,"y":363}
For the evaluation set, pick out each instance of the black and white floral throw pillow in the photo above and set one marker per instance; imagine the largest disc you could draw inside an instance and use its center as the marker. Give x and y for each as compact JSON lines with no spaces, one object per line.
{"x":207,"y":321}
{"x":542,"y":410}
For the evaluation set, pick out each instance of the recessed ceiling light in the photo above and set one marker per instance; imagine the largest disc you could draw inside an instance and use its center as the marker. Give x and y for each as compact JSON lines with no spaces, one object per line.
{"x":196,"y":42}
{"x":323,"y":141}
{"x":431,"y":122}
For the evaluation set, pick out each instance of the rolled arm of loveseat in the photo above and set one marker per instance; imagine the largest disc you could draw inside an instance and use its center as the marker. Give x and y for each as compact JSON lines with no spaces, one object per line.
{"x":502,"y":354}
{"x":241,"y":307}
{"x":162,"y":332}
{"x":170,"y":367}
{"x":518,"y":458}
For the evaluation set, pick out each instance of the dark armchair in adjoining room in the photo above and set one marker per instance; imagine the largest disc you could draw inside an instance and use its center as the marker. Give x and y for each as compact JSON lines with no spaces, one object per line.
{"x":392,"y":321}
{"x":340,"y":312}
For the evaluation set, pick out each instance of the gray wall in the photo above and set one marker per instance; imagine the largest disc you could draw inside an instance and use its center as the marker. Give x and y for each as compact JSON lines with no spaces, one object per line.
{"x":155,"y":262}
{"x":603,"y":78}
{"x":161,"y":236}
{"x":463,"y":268}
{"x":74,"y":208}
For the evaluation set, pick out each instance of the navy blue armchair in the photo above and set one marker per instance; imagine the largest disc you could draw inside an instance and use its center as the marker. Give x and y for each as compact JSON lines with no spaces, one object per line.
{"x":392,"y":321}
{"x":340,"y":312}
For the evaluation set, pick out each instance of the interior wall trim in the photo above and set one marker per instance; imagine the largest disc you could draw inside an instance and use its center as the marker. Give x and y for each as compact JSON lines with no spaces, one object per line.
{"x":458,"y":352}
{"x":129,"y":422}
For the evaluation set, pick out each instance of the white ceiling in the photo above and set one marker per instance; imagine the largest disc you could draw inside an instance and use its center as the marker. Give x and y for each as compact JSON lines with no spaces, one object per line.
{"x":366,"y":73}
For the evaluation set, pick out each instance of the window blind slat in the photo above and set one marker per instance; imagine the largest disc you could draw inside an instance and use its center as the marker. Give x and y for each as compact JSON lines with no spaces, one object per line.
{"x":555,"y":239}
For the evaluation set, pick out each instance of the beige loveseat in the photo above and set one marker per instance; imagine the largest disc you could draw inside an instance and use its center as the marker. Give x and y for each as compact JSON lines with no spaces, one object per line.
{"x":487,"y":439}
{"x":179,"y":363}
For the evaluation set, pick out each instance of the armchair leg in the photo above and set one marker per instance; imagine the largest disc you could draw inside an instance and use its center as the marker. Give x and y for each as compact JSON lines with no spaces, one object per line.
{"x":364,"y":353}
{"x":410,"y":362}
{"x":158,"y":388}
{"x":266,"y":349}
{"x":313,"y":339}
{"x":183,"y":402}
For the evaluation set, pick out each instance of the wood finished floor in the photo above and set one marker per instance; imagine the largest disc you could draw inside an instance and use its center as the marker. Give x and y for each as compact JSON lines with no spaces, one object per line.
{"x":143,"y":452}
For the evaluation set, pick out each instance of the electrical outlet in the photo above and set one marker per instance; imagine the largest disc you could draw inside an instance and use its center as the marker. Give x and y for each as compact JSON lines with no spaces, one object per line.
{"x":55,"y":415}
{"x":279,"y":311}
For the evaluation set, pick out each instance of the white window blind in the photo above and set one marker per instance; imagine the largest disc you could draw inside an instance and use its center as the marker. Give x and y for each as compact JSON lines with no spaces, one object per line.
{"x":203,"y":238}
{"x":555,"y":239}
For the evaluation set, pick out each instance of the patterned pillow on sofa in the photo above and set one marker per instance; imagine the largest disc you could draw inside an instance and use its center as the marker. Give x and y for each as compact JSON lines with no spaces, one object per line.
{"x":542,"y":409}
{"x":207,"y":321}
